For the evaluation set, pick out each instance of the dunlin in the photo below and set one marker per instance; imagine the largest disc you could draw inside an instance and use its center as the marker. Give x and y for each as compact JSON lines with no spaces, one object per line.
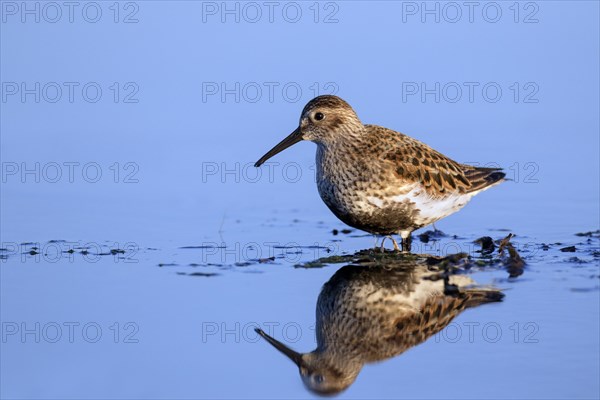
{"x":367,"y":314}
{"x":379,"y":180}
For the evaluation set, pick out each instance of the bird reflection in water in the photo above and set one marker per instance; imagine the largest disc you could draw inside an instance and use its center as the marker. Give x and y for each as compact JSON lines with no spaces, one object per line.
{"x":371,"y":313}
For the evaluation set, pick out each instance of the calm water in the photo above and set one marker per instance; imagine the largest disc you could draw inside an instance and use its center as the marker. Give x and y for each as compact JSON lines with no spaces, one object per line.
{"x":159,"y":248}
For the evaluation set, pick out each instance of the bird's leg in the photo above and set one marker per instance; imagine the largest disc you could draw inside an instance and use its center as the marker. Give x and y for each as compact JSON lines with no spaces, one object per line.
{"x":406,"y":241}
{"x":382,"y":249}
{"x":376,"y":241}
{"x":449,"y":288}
{"x":396,"y":248}
{"x":407,"y":244}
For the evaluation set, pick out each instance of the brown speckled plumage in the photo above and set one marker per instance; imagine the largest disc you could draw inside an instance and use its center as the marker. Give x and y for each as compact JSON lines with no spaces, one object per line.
{"x":371,"y":313}
{"x":379,"y":180}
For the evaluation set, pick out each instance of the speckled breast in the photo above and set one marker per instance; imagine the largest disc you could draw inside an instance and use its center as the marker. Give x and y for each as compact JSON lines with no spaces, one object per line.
{"x":348,"y":189}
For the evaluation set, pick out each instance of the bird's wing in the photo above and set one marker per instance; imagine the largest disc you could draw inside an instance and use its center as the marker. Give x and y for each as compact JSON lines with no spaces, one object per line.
{"x":415,"y":161}
{"x":437,"y":312}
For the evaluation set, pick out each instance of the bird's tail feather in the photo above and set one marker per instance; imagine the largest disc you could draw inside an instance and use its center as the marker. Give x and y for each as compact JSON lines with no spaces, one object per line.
{"x":476,"y":297}
{"x":483,"y":178}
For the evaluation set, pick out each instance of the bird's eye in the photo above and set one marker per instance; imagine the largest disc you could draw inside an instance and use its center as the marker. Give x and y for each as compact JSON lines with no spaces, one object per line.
{"x":319,"y":116}
{"x":318,"y":378}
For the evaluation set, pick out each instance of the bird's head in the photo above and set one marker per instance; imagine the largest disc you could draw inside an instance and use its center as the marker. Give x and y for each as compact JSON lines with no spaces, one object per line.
{"x":316,"y":369}
{"x":324,"y":120}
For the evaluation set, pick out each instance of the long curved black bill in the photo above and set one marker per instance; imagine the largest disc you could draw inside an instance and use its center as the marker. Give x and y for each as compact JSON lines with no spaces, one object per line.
{"x":291,"y":354}
{"x":291,"y":140}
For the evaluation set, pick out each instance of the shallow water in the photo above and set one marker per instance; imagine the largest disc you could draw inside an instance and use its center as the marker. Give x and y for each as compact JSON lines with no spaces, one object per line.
{"x":147,"y":281}
{"x":156,"y":322}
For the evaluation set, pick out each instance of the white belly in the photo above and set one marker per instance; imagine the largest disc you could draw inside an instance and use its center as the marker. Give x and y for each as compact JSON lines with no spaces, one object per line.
{"x":430,"y":208}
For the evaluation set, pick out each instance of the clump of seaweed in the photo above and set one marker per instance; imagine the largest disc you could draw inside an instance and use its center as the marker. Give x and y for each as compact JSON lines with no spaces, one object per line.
{"x":594,"y":234}
{"x":507,"y":257}
{"x":428,"y":236}
{"x":514,"y":263}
